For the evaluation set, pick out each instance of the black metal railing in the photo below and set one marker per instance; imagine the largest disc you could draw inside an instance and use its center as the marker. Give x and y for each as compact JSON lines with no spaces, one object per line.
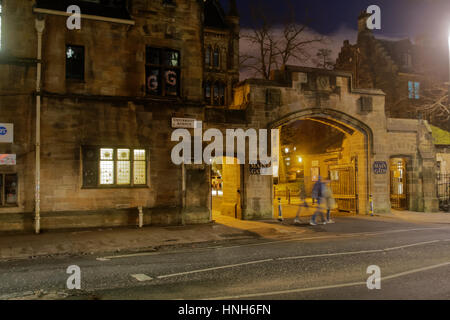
{"x":443,"y":190}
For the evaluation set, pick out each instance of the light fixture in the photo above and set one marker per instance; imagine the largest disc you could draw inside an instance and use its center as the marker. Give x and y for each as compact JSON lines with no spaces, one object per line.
{"x":286,"y":150}
{"x":300,"y":159}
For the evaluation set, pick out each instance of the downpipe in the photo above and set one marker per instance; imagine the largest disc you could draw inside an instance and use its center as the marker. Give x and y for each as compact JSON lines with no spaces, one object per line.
{"x":40,"y":26}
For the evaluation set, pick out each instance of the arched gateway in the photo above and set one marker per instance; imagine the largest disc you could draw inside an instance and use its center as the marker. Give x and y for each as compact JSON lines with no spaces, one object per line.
{"x":330,"y":129}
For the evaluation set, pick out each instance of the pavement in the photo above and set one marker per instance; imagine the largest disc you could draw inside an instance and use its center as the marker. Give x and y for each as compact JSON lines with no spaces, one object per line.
{"x":115,"y":240}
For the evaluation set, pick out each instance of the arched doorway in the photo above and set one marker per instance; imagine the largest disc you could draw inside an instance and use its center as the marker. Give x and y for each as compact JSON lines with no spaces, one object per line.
{"x":328,"y":144}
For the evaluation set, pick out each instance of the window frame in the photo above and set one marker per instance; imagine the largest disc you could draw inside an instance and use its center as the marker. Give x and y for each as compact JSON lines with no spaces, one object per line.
{"x":3,"y":198}
{"x":221,"y":86}
{"x":163,"y":68}
{"x":73,"y":78}
{"x":115,"y":160}
{"x":216,"y":51}
{"x":413,"y":90}
{"x":208,"y":56}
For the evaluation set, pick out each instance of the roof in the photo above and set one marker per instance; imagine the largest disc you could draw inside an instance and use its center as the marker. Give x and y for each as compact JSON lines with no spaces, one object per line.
{"x":396,"y":49}
{"x":440,"y":136}
{"x":214,"y":15}
{"x":117,"y":10}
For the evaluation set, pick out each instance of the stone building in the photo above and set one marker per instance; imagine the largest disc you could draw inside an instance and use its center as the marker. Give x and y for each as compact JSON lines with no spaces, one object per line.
{"x":392,"y":161}
{"x":87,"y":119}
{"x":106,"y":96}
{"x":409,"y":73}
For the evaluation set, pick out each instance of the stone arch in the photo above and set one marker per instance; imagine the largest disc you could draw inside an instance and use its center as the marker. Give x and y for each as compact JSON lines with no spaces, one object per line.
{"x":340,"y":121}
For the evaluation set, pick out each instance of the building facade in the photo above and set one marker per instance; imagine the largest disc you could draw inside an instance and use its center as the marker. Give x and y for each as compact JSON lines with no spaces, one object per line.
{"x":107,"y":94}
{"x":93,"y":111}
{"x":414,"y":76}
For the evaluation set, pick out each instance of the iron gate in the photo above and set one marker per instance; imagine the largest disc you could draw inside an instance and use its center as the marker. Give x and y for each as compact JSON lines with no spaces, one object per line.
{"x":343,"y":184}
{"x":443,"y":191}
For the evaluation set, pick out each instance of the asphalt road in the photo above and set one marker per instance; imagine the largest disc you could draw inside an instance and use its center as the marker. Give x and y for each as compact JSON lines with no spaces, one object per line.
{"x":327,"y":262}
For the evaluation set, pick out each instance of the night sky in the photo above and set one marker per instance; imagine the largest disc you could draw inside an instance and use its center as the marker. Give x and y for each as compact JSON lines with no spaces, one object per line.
{"x":400,"y":18}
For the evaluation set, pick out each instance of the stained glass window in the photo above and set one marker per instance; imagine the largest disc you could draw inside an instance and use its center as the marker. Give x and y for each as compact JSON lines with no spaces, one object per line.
{"x":140,"y":167}
{"x":123,"y":167}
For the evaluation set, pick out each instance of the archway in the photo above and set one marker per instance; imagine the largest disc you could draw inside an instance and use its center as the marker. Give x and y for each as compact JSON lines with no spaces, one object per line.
{"x":324,"y":143}
{"x":226,"y":181}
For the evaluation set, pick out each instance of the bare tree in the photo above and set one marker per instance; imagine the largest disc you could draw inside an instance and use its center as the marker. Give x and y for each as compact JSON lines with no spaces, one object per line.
{"x":432,"y":103}
{"x":263,"y":39}
{"x":324,"y":59}
{"x":276,"y":44}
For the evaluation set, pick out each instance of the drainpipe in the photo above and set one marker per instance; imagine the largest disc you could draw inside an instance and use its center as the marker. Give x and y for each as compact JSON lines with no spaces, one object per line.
{"x":40,"y":26}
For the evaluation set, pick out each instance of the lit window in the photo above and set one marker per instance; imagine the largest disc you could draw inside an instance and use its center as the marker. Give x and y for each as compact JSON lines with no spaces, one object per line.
{"x":8,"y":190}
{"x":413,"y":90}
{"x":106,"y":166}
{"x":162,"y":72}
{"x":123,"y":166}
{"x":75,"y":62}
{"x":114,"y":167}
{"x":140,"y":167}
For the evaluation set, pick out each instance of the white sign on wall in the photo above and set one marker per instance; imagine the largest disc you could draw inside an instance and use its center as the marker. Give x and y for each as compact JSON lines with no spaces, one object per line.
{"x":7,"y":159}
{"x":6,"y":133}
{"x":186,"y":123}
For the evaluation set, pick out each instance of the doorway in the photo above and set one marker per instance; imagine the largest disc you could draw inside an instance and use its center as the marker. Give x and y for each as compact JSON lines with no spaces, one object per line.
{"x":226,"y":188}
{"x":398,"y":192}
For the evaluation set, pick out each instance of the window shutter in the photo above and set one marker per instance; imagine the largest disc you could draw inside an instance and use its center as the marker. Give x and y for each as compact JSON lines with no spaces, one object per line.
{"x":90,"y":167}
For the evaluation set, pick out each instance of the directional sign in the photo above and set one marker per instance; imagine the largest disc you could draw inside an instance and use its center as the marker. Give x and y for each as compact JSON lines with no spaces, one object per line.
{"x":184,"y":123}
{"x":380,"y":167}
{"x":6,"y":133}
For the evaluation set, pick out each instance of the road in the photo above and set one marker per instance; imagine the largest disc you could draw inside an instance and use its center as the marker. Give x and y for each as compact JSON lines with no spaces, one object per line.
{"x":327,"y":262}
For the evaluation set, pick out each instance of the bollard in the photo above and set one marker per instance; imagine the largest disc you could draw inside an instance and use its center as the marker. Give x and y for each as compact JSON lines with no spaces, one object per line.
{"x":280,"y":213}
{"x":371,"y":206}
{"x":141,"y":217}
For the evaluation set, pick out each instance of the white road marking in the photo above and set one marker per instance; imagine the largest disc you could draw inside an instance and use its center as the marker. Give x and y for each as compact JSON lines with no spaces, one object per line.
{"x":214,"y":268}
{"x":351,"y":284}
{"x":298,"y":257}
{"x":361,"y":252}
{"x":141,"y":277}
{"x":350,"y":235}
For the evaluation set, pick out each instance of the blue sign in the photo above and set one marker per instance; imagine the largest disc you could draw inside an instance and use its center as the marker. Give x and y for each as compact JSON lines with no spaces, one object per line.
{"x":380,"y":167}
{"x":3,"y":131}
